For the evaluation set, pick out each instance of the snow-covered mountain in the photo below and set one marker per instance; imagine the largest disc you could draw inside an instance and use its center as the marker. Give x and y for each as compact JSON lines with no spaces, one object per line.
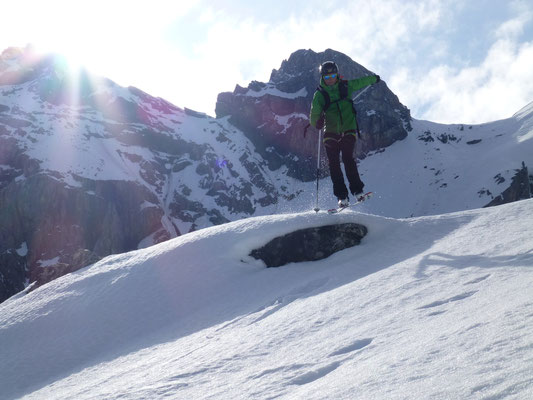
{"x":89,"y":168}
{"x":445,"y":168}
{"x":435,"y":307}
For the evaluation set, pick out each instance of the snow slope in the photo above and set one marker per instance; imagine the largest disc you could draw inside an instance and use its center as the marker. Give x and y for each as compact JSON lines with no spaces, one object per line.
{"x":442,"y":168}
{"x":199,"y":170}
{"x":433,"y":307}
{"x":438,"y":168}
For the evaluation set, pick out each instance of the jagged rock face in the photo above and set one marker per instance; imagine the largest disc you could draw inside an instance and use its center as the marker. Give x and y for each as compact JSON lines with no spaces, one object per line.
{"x":310,"y":244}
{"x":89,"y":166}
{"x":273,"y":115}
{"x":520,"y":188}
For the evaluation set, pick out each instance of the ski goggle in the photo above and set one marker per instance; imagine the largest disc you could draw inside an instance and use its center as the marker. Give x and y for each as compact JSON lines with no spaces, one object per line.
{"x":330,"y":76}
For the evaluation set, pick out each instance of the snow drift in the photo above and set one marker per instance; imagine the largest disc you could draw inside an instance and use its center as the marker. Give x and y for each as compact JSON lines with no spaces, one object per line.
{"x":429,"y":307}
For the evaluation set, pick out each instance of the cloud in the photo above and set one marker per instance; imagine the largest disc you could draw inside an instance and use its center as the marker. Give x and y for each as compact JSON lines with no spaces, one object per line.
{"x":238,"y":48}
{"x":189,"y":52}
{"x":496,"y":88}
{"x":514,"y":27}
{"x":122,"y":40}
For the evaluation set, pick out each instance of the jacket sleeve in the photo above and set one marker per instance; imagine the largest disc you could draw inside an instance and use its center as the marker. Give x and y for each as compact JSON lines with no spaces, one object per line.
{"x":356,"y":84}
{"x":316,"y":108}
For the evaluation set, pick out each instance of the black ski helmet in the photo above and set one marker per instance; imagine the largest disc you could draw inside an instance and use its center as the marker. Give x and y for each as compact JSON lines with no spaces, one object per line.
{"x":328,"y":67}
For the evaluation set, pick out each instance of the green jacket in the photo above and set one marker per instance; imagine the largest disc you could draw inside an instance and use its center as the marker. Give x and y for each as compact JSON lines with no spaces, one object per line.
{"x":339,"y":117}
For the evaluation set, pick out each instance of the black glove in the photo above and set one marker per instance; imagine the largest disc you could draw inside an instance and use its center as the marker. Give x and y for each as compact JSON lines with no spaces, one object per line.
{"x":377,"y":78}
{"x":320,"y":123}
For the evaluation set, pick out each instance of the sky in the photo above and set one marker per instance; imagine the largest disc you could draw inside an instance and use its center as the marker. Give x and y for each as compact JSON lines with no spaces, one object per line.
{"x":449,"y":61}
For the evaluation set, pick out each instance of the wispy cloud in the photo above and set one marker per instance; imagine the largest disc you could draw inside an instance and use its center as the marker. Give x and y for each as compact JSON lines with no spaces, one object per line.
{"x":497,"y":87}
{"x":247,"y":48}
{"x":438,"y":56}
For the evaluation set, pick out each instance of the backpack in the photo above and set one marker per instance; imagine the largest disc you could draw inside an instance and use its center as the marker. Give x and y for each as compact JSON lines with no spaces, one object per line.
{"x":343,"y":91}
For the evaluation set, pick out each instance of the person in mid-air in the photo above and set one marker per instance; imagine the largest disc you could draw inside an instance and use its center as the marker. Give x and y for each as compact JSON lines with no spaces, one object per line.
{"x":332,"y":110}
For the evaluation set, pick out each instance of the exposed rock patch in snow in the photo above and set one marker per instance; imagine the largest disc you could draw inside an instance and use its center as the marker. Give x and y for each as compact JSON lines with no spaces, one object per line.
{"x":310,"y":244}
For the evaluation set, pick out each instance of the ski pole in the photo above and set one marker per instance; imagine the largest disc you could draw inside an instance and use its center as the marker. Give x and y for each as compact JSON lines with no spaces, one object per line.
{"x":355,"y":111}
{"x":359,"y":94}
{"x":317,"y":209}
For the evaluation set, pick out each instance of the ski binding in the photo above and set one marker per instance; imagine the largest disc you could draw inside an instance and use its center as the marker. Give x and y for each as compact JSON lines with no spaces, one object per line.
{"x":360,"y":199}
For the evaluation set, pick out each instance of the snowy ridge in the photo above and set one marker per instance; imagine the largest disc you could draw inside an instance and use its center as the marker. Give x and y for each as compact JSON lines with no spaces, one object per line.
{"x":123,"y":134}
{"x":271,"y":90}
{"x":446,"y":168}
{"x":429,"y":307}
{"x":525,"y":132}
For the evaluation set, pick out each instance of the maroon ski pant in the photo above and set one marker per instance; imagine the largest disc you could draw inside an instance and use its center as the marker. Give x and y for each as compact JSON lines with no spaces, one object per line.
{"x":338,"y":147}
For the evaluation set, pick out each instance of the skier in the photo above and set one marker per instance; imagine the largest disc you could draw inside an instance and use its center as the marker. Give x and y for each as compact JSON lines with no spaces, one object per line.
{"x":332,"y":109}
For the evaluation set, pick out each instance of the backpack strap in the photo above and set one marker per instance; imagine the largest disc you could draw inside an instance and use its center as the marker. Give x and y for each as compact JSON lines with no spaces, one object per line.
{"x":343,"y":89}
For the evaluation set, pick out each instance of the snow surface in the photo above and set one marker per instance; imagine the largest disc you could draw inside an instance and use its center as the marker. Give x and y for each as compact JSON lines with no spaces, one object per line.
{"x":271,"y":90}
{"x":459,"y":166}
{"x":22,"y":250}
{"x":435,"y":307}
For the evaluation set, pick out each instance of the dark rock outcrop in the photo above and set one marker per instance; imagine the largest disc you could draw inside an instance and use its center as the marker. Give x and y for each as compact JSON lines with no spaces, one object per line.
{"x":273,"y":115}
{"x":310,"y":244}
{"x":520,"y":189}
{"x":13,"y":271}
{"x":72,"y":227}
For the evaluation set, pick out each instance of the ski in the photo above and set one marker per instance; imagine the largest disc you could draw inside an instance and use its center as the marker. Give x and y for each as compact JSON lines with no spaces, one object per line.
{"x":360,"y":199}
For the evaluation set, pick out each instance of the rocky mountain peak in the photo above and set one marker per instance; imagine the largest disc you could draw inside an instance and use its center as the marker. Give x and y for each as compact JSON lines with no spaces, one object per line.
{"x":273,"y":115}
{"x":302,"y":67}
